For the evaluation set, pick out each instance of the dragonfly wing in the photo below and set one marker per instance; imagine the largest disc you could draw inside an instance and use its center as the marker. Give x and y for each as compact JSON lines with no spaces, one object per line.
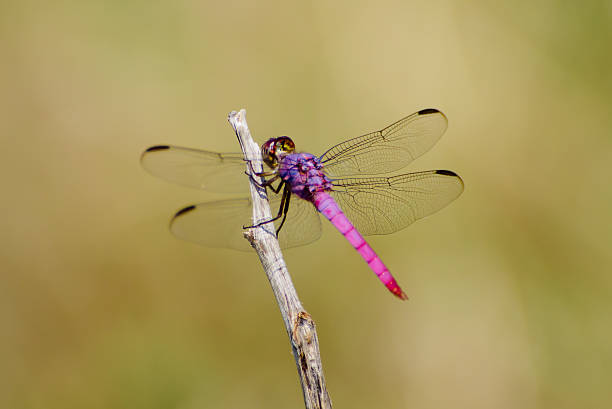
{"x":219,"y":224}
{"x":387,"y":204}
{"x":215,"y":224}
{"x":303,"y":224}
{"x":212,"y":171}
{"x":386,"y":150}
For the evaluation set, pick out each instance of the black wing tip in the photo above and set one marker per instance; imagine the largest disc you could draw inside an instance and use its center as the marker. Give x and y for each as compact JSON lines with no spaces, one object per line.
{"x":429,"y":111}
{"x":184,"y":210}
{"x":451,"y":174}
{"x":446,"y":173}
{"x":157,"y":148}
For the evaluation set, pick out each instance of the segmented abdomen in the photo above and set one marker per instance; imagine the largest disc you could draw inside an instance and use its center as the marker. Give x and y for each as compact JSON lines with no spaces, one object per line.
{"x":330,"y":209}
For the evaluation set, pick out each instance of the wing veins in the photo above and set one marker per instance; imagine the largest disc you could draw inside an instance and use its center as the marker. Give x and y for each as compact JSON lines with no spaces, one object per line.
{"x":388,"y":149}
{"x":381,"y":205}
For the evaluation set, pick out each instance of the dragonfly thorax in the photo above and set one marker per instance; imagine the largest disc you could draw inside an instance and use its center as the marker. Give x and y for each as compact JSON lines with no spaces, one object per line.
{"x":275,"y":149}
{"x":304,"y":173}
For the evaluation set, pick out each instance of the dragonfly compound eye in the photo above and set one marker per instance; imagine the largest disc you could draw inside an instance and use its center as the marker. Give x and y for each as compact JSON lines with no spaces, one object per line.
{"x":285,"y":145}
{"x":268,"y":152}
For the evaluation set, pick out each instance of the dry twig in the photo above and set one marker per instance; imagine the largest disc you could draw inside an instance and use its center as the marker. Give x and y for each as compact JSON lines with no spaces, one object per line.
{"x":298,"y":323}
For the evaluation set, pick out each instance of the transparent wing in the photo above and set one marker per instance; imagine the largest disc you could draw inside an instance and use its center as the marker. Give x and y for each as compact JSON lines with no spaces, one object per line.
{"x":219,"y":224}
{"x":215,"y":172}
{"x":386,"y":150}
{"x":386,"y":205}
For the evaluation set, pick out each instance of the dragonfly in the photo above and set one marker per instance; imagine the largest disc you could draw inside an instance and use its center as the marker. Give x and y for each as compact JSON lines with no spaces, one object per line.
{"x":341,"y":184}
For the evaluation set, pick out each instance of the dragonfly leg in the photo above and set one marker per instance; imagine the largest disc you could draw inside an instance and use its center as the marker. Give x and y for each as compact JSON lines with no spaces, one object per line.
{"x":278,"y":188}
{"x":285,"y":210}
{"x":286,"y":193}
{"x":260,"y":174}
{"x":265,"y":182}
{"x":268,"y":183}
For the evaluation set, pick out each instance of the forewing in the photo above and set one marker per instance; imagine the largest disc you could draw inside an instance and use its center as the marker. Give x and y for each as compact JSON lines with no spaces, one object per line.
{"x":219,"y":224}
{"x":386,"y":205}
{"x":212,"y":171}
{"x":386,"y":150}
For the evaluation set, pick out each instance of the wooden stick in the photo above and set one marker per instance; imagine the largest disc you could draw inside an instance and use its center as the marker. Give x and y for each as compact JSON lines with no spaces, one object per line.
{"x":298,"y":323}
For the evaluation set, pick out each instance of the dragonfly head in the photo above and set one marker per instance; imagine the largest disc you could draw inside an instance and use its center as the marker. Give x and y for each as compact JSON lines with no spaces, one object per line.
{"x":275,"y":149}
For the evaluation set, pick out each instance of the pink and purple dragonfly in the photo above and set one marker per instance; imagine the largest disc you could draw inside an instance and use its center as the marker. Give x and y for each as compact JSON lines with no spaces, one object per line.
{"x":332,"y":184}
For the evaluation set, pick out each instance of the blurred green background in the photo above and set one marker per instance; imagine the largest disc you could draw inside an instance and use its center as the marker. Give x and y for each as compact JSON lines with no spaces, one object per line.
{"x":510,"y":286}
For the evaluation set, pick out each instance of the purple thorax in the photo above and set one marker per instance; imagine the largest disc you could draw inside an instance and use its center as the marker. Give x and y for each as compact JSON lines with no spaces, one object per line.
{"x":304,"y":173}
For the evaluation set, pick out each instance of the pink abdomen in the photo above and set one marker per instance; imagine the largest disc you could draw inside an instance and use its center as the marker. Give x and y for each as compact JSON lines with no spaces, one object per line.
{"x":330,"y":209}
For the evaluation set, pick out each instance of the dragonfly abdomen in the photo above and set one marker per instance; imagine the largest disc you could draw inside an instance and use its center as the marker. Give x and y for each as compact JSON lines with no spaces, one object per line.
{"x":330,"y":209}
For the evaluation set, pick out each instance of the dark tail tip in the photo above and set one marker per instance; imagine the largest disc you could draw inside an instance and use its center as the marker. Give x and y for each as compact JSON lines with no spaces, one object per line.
{"x":399,"y":293}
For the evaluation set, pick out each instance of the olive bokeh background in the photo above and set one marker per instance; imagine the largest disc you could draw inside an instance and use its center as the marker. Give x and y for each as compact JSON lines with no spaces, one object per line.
{"x":509,"y":286}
